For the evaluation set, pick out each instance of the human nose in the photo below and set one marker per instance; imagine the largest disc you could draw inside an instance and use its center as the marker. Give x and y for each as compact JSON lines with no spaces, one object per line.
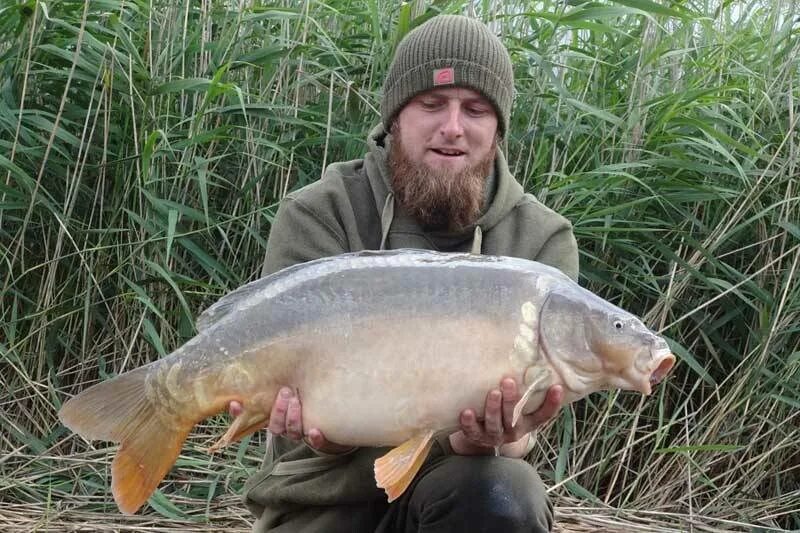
{"x":452,"y":126}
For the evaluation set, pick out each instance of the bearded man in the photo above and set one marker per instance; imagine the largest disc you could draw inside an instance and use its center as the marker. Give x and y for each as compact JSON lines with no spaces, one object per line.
{"x":434,"y":178}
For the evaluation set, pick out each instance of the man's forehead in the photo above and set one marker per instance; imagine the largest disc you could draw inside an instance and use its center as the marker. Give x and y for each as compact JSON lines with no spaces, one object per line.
{"x":463,"y":93}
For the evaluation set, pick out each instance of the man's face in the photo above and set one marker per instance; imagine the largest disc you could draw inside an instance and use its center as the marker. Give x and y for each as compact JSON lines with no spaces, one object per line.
{"x":452,"y":128}
{"x":443,"y":147}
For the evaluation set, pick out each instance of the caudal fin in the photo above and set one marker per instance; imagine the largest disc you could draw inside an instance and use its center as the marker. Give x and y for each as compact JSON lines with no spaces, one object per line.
{"x":118,"y":410}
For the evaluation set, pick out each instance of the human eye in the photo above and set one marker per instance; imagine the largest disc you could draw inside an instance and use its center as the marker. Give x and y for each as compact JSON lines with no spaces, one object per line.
{"x":430,"y":103}
{"x":478,"y":109}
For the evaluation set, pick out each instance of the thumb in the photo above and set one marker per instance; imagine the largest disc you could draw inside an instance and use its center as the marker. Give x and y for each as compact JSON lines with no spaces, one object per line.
{"x":235,"y":408}
{"x":317,"y":440}
{"x":550,"y":407}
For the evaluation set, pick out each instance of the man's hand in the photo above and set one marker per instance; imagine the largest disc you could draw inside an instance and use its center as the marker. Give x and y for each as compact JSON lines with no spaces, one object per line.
{"x":482,"y":438}
{"x":286,"y":418}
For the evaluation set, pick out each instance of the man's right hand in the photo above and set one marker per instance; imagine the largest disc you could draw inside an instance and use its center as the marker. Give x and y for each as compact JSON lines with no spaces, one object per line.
{"x":286,"y":418}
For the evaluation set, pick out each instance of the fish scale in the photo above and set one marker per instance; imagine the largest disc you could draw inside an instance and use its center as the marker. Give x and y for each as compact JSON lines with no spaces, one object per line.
{"x":384,"y":348}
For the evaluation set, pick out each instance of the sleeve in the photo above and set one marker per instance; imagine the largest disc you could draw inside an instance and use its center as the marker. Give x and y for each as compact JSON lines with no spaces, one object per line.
{"x":301,"y":233}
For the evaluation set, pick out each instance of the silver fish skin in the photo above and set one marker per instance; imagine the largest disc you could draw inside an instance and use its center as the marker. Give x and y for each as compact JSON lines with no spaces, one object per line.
{"x":382,"y":347}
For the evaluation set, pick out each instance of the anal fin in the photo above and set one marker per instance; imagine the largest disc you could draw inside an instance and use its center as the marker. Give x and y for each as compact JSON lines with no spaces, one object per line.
{"x":395,"y":470}
{"x":251,"y":419}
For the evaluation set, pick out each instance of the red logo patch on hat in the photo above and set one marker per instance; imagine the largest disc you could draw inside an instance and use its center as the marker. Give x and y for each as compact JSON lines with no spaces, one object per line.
{"x":444,"y":76}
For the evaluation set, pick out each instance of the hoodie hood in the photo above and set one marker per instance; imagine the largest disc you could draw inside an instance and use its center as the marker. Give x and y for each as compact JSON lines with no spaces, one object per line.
{"x":502,"y":191}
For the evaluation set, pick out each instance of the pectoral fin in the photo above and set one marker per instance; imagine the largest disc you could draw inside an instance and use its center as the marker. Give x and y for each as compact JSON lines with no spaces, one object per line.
{"x":539,"y":380}
{"x":251,"y":419}
{"x":395,"y":470}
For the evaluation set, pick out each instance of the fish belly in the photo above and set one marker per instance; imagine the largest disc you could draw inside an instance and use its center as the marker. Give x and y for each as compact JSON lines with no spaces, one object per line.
{"x":381,"y":381}
{"x":379,"y":348}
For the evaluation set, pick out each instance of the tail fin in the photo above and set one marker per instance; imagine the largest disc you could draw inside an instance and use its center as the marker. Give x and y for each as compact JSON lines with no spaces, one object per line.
{"x":118,"y":410}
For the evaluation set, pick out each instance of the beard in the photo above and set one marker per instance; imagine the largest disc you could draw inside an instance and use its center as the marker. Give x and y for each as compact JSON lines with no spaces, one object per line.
{"x":438,"y":198}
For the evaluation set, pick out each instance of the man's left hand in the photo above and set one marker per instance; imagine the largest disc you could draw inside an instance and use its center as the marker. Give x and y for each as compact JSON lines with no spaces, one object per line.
{"x":495,"y":431}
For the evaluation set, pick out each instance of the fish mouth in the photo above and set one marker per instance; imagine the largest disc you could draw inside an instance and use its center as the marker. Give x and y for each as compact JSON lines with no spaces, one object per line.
{"x":664,"y":361}
{"x":651,"y":368}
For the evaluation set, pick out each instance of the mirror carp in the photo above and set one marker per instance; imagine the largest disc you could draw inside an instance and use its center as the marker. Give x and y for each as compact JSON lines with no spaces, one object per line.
{"x":383,"y":348}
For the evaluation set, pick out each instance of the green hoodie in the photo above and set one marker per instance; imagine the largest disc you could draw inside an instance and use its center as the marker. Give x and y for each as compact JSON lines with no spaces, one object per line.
{"x":352,"y":208}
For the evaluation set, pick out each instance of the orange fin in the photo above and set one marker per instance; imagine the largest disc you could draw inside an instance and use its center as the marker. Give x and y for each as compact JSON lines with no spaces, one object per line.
{"x":118,"y":410}
{"x":539,"y":379}
{"x":251,"y":419}
{"x":111,"y":410}
{"x":142,"y":462}
{"x":395,"y":470}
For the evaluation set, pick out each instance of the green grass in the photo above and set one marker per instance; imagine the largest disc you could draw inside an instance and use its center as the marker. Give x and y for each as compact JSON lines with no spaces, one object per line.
{"x":144,"y":147}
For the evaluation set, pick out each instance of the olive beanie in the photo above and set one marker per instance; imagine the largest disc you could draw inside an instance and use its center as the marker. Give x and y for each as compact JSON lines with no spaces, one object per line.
{"x":449,"y":50}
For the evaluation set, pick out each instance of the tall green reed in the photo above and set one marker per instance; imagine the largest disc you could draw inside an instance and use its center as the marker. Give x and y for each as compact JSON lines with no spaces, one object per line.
{"x":144,"y":147}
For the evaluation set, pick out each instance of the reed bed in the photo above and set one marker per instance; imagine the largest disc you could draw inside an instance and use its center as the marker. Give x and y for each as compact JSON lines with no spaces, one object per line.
{"x":144,"y":146}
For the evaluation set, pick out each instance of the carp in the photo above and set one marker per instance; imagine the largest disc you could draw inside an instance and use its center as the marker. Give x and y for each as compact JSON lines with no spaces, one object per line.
{"x":383,"y":348}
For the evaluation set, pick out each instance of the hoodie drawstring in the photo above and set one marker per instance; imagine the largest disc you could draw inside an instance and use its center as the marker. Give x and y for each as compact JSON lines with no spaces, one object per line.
{"x":477,"y":241}
{"x":387,"y":215}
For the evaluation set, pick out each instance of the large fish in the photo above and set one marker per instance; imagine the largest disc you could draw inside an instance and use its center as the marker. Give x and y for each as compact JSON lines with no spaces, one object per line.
{"x":384,"y":348}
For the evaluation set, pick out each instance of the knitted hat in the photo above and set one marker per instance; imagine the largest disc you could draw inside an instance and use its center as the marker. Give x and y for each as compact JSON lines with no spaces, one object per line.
{"x":449,"y":50}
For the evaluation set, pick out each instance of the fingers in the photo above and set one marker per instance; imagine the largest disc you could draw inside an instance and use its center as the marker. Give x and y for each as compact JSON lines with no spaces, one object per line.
{"x":294,"y":420}
{"x":317,"y":440}
{"x":496,"y":428}
{"x":491,"y":432}
{"x":552,"y":403}
{"x":234,"y":408}
{"x":511,"y":396}
{"x":286,"y":415}
{"x":286,"y":418}
{"x":470,"y":426}
{"x":493,"y":417}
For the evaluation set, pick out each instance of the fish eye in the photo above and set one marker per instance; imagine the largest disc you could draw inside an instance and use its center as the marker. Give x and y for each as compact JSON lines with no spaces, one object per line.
{"x":618,"y":325}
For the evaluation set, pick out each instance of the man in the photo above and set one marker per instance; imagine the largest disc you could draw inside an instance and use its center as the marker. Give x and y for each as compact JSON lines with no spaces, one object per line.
{"x":434,"y":178}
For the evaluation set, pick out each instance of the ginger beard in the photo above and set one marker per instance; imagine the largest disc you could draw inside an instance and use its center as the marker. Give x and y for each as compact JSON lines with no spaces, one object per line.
{"x":438,"y":198}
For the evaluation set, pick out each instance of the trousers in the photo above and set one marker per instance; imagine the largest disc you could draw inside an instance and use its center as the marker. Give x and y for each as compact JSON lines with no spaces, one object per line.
{"x":450,"y":494}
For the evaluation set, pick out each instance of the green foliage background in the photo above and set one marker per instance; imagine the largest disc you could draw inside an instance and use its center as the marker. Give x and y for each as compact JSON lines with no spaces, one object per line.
{"x":144,"y":146}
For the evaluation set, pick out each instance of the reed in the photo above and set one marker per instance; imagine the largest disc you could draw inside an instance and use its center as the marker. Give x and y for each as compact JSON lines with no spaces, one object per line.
{"x":144,"y":146}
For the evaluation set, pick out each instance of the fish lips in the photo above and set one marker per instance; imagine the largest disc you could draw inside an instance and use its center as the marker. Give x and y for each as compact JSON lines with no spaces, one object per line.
{"x":659,"y":361}
{"x":664,"y":361}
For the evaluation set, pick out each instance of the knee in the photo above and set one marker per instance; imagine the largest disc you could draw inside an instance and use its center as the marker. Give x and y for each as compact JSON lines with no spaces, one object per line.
{"x":504,"y":494}
{"x":509,"y":493}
